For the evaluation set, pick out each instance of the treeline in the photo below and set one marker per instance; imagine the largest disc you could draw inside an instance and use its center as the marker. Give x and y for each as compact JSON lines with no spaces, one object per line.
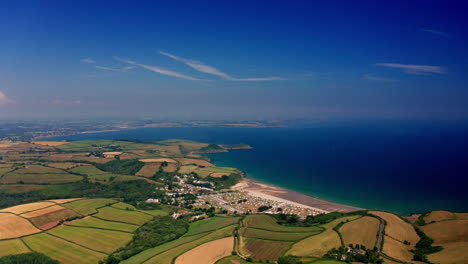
{"x":424,"y":247}
{"x":158,"y":231}
{"x":28,"y":258}
{"x":310,"y":220}
{"x":130,"y":191}
{"x":117,"y":166}
{"x":225,"y":181}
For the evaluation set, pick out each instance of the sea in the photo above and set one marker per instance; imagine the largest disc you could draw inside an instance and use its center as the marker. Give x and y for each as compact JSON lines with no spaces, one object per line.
{"x":398,"y":166}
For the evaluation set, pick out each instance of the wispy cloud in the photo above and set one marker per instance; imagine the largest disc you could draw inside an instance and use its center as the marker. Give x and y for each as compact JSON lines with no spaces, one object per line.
{"x":4,"y":100}
{"x":436,"y":32}
{"x":160,"y":70}
{"x":59,"y":102}
{"x":201,"y":67}
{"x":124,"y":69}
{"x":370,"y":77}
{"x":414,"y":69}
{"x":88,"y":60}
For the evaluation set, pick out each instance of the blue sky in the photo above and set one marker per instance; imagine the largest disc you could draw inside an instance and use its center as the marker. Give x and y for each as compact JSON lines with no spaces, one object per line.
{"x":234,"y":59}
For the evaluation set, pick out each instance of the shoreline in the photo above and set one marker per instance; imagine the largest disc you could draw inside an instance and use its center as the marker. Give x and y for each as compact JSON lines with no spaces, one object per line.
{"x":279,"y":194}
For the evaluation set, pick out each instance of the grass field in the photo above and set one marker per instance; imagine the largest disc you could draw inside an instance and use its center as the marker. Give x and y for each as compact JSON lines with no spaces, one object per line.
{"x":149,"y":169}
{"x":88,"y":206}
{"x":452,"y":235}
{"x":125,"y":206}
{"x":12,"y":226}
{"x":320,"y":244}
{"x":397,"y":250}
{"x":362,"y":231}
{"x":187,"y":169}
{"x":12,"y":247}
{"x":269,"y":223}
{"x":62,"y":250}
{"x":205,"y":172}
{"x":167,"y":252}
{"x":210,"y":224}
{"x":19,"y":209}
{"x":149,"y":253}
{"x":208,"y":253}
{"x":197,"y":162}
{"x":42,"y":211}
{"x":65,"y":165}
{"x":5,"y":170}
{"x":264,"y":249}
{"x":49,"y":178}
{"x":447,"y":231}
{"x":397,"y":228}
{"x":96,"y":239}
{"x":453,"y":253}
{"x":436,"y":216}
{"x":38,"y":169}
{"x":167,"y":256}
{"x":20,"y":188}
{"x":97,"y":175}
{"x":131,"y":217}
{"x":99,"y":223}
{"x":280,"y":236}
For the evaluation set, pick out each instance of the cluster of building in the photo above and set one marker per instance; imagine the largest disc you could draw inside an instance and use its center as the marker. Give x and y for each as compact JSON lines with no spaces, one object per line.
{"x":242,"y":202}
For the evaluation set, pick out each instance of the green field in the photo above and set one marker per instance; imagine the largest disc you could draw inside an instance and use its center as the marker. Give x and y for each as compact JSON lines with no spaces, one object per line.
{"x":205,"y":172}
{"x":167,"y":252}
{"x":124,"y":206}
{"x":149,"y":253}
{"x":62,"y":250}
{"x":210,"y":224}
{"x":168,"y":256}
{"x":95,"y":174}
{"x":4,"y":170}
{"x":259,"y":249}
{"x":269,"y":223}
{"x":88,"y":206}
{"x":20,"y":188}
{"x":12,"y":247}
{"x":119,"y":215}
{"x":52,"y":178}
{"x":93,"y":222}
{"x":320,"y":244}
{"x":38,"y":169}
{"x":96,"y":239}
{"x":280,"y":236}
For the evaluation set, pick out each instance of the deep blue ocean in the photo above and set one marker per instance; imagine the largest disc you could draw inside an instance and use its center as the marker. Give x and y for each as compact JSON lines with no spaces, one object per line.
{"x":404,"y":167}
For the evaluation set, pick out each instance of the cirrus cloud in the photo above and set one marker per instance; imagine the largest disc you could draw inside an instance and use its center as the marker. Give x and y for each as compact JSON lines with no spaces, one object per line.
{"x":414,"y":69}
{"x":201,"y":67}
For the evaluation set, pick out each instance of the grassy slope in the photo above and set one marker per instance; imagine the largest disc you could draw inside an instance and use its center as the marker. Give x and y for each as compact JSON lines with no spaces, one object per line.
{"x":88,"y":206}
{"x":96,"y":239}
{"x":61,"y":250}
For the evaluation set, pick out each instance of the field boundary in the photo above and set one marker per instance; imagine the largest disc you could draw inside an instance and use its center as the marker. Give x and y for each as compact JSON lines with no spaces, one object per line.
{"x":69,"y":241}
{"x":100,"y":228}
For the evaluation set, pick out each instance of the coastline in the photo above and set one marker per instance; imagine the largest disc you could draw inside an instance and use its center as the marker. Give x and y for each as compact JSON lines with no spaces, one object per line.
{"x":279,"y":194}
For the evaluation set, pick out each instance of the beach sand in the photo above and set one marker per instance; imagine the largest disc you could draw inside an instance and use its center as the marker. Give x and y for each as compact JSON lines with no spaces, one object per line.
{"x":279,"y":194}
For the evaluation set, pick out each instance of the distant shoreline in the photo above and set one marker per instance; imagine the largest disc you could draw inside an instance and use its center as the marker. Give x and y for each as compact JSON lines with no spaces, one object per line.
{"x":272,"y":192}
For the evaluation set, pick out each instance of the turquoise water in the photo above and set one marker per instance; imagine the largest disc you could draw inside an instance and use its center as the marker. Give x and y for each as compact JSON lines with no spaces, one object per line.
{"x":399,"y":167}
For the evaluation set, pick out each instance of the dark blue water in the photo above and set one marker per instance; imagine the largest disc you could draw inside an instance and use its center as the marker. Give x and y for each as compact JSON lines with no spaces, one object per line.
{"x":396,"y":166}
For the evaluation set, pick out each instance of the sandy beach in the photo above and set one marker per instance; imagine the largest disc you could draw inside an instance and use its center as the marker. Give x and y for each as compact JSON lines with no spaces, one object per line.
{"x":279,"y":194}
